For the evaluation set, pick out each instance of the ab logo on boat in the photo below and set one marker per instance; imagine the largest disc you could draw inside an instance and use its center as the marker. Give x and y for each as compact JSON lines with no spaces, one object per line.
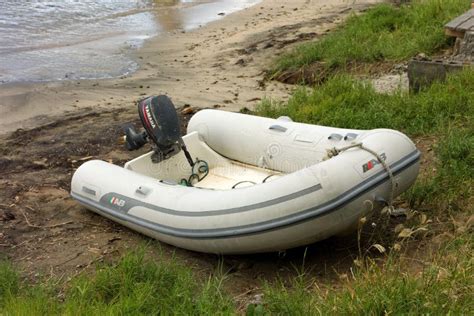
{"x":372,"y":163}
{"x":117,"y":201}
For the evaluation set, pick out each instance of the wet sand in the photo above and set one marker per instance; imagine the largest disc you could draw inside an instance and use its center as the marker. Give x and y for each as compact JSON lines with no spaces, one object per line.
{"x":44,"y":232}
{"x":221,"y":65}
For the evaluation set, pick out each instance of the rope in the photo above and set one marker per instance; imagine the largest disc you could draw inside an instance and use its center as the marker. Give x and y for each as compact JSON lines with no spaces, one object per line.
{"x":202,"y":168}
{"x":336,"y":151}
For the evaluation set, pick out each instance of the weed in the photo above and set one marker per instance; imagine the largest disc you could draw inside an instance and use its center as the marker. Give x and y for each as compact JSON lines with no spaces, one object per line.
{"x":444,"y":109}
{"x":441,"y":287}
{"x":349,"y":103}
{"x":8,"y":281}
{"x":134,"y":286}
{"x":453,"y":180}
{"x":383,"y":33}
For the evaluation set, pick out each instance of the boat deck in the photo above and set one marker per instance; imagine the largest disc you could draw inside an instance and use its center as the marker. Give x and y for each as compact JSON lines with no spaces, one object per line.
{"x":236,"y":176}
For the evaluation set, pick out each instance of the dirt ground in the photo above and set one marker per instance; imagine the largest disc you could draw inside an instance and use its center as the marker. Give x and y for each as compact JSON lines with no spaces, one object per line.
{"x":47,"y":234}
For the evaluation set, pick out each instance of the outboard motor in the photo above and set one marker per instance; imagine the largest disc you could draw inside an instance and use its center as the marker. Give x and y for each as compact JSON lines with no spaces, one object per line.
{"x":162,"y":129}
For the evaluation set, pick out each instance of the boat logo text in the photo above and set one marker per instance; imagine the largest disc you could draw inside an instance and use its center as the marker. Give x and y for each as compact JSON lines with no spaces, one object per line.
{"x":117,"y":201}
{"x":372,"y":163}
{"x":148,"y":114}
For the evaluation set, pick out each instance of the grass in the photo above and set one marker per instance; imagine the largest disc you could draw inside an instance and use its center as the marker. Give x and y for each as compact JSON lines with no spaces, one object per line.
{"x":440,"y":284}
{"x":138,"y":286}
{"x":9,"y":281}
{"x":444,"y":110}
{"x":346,"y":102}
{"x":383,"y":33}
{"x":133,"y":286}
{"x":450,"y":187}
{"x":443,"y":286}
{"x":444,"y":283}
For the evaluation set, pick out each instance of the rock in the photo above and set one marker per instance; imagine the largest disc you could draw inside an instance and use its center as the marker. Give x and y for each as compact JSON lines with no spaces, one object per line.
{"x":257,"y":299}
{"x":400,"y":211}
{"x":421,"y":73}
{"x":240,"y":62}
{"x":188,"y":110}
{"x":41,"y":163}
{"x":7,"y":216}
{"x":422,"y":56}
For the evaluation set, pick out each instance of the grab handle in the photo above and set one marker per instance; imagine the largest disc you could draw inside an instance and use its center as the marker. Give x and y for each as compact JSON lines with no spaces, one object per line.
{"x":278,"y":128}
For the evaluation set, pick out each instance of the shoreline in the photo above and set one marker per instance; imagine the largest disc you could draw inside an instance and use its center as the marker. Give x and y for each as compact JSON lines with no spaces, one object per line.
{"x":218,"y":65}
{"x":75,"y":47}
{"x":37,"y":163}
{"x":49,"y":239}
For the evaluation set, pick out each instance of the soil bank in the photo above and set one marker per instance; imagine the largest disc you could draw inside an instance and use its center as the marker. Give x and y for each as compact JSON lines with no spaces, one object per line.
{"x":43,"y":231}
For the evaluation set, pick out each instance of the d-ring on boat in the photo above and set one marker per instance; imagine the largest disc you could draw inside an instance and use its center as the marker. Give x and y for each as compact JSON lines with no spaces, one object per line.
{"x":246,"y":184}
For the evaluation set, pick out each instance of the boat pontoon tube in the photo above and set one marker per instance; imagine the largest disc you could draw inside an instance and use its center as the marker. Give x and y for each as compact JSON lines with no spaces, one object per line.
{"x":271,"y":184}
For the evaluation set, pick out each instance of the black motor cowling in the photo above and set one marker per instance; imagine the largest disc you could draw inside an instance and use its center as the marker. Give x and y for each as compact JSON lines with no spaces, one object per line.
{"x":160,"y":120}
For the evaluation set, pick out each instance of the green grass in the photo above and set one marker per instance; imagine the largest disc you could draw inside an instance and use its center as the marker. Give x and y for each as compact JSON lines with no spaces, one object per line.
{"x":134,"y":286}
{"x":383,"y":33}
{"x":346,"y":102}
{"x":139,"y":286}
{"x":452,"y":184}
{"x":444,"y":110}
{"x":443,"y":286}
{"x":9,"y":281}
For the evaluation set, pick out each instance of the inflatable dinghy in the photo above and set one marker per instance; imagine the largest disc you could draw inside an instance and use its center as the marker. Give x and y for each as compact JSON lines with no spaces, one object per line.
{"x":246,"y":184}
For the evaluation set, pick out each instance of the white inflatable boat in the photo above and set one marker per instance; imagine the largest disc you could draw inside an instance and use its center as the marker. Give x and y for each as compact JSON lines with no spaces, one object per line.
{"x":256,"y":185}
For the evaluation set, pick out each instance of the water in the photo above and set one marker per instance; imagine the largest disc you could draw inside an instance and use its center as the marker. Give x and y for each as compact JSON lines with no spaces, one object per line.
{"x":85,"y":39}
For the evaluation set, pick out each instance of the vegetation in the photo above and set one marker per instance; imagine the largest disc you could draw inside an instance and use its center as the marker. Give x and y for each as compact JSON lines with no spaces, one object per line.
{"x":445,"y":110}
{"x":383,"y":33}
{"x":442,"y":114}
{"x":443,"y":286}
{"x":134,"y":286}
{"x":137,"y":286}
{"x":450,"y":187}
{"x":347,"y":102}
{"x":440,"y":283}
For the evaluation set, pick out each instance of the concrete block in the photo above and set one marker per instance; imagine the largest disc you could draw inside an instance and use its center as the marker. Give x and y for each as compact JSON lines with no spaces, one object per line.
{"x":422,"y":73}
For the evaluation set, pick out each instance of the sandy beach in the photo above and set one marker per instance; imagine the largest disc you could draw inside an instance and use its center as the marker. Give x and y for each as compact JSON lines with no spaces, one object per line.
{"x":60,"y":125}
{"x":58,"y":257}
{"x":221,"y":65}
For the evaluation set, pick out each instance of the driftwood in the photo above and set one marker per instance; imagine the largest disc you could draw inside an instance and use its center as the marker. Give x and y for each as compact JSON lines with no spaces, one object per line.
{"x":38,"y":226}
